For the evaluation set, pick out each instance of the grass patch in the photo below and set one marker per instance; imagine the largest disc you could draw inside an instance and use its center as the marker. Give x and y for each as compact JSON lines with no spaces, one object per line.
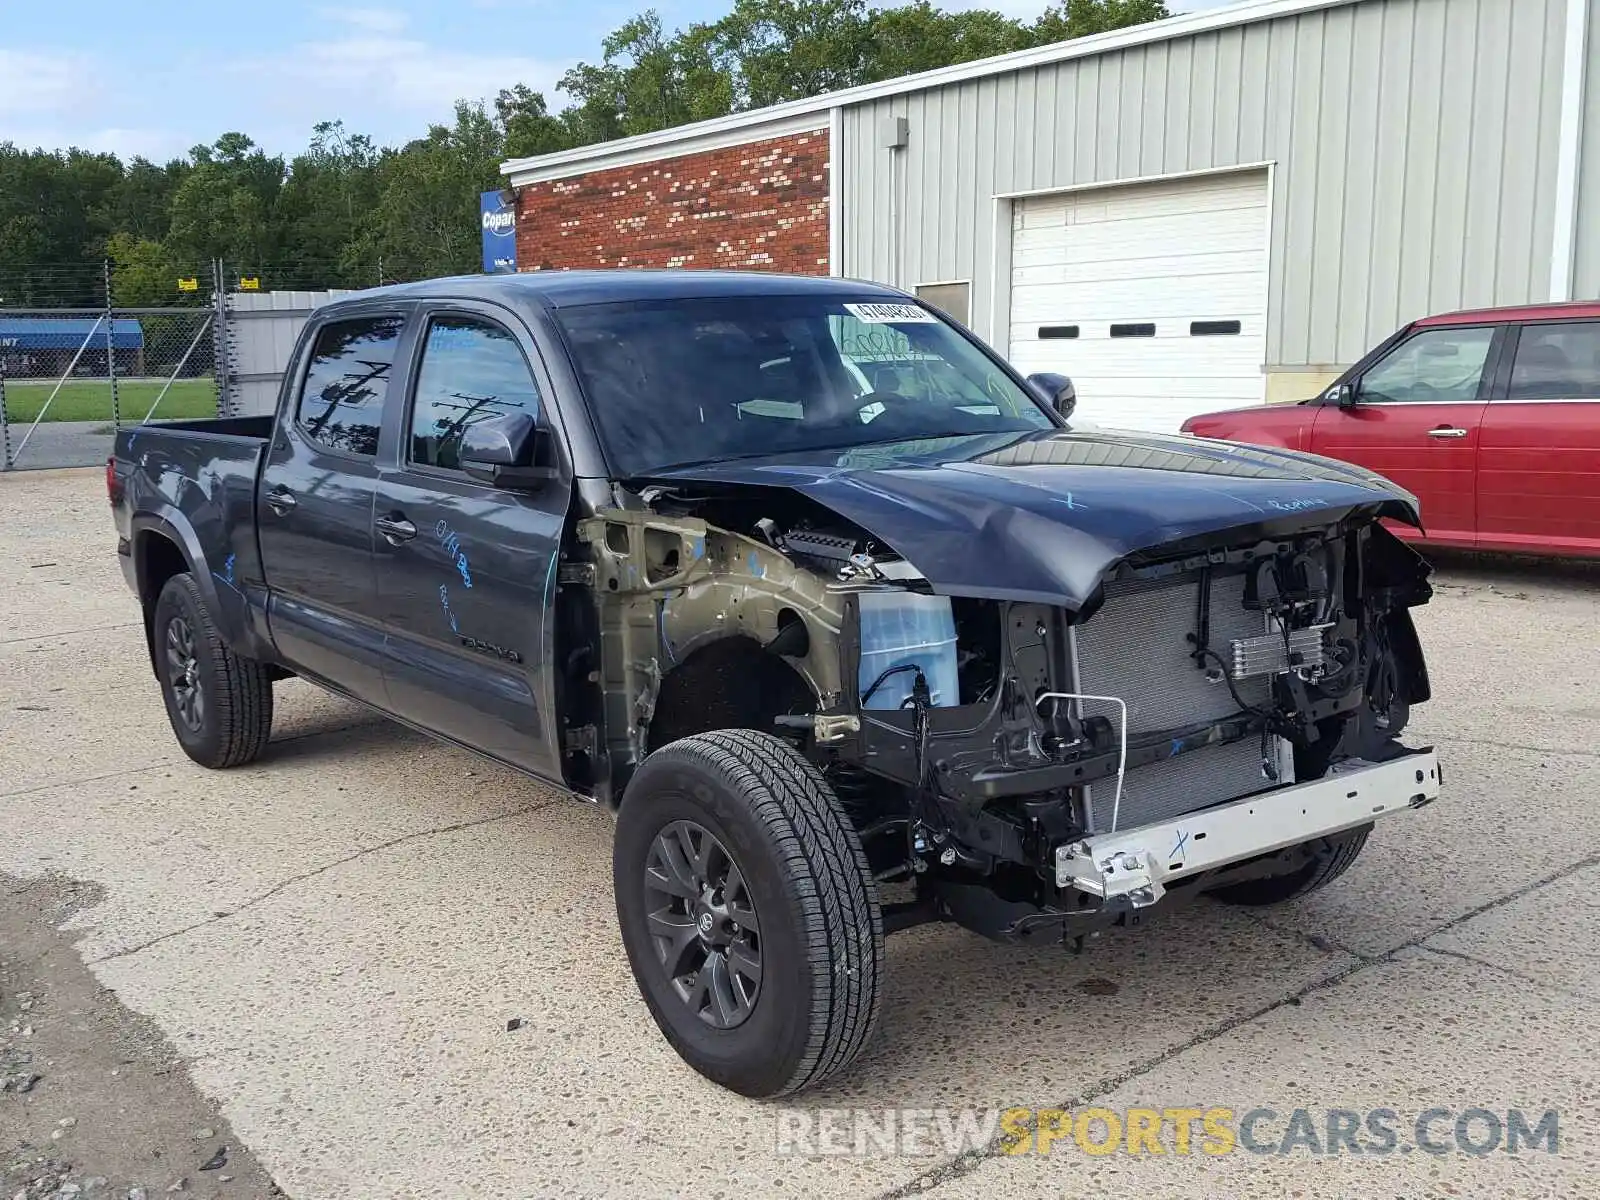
{"x":90,"y":400}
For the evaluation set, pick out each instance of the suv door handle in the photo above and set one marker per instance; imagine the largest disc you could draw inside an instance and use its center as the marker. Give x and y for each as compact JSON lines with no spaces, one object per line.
{"x":281,"y":500}
{"x":395,"y":528}
{"x":1447,"y":431}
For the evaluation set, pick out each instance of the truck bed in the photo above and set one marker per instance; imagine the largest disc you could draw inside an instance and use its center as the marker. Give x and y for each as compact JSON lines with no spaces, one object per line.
{"x":256,"y":428}
{"x":195,"y":482}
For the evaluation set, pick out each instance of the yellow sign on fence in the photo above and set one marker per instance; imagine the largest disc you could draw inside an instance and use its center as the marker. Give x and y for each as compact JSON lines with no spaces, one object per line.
{"x":249,"y":283}
{"x":191,"y":284}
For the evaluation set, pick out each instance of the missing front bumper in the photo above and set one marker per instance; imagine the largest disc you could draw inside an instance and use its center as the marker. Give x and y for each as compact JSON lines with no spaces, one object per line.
{"x":1138,"y":863}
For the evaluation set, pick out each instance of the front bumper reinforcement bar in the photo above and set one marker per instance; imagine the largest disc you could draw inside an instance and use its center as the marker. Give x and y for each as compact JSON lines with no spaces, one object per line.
{"x":1138,"y":863}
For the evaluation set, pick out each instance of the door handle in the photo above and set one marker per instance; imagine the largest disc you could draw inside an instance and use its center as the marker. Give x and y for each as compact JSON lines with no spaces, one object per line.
{"x":281,"y":500}
{"x":395,"y":529}
{"x":1447,"y":431}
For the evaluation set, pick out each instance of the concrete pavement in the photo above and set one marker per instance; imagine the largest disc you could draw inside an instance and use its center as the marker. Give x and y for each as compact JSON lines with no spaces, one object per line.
{"x":336,"y":938}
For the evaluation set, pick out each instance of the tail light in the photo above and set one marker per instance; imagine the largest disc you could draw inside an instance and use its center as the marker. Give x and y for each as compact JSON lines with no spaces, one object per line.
{"x":113,"y":484}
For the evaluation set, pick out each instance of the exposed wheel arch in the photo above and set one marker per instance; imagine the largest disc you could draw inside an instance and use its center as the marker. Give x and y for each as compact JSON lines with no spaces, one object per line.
{"x":732,"y":683}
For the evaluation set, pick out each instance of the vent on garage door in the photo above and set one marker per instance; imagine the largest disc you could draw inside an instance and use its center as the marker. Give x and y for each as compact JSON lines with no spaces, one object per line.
{"x":1164,"y":286}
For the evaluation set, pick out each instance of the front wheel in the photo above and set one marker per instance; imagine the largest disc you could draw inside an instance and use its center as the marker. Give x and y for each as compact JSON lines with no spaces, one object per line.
{"x":748,"y":912}
{"x":219,"y":702}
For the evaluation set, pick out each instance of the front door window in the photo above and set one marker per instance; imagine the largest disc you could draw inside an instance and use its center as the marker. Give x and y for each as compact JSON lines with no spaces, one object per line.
{"x":1437,"y":366}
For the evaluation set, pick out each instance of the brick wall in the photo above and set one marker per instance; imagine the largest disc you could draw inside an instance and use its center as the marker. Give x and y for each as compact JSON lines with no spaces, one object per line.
{"x":760,"y":206}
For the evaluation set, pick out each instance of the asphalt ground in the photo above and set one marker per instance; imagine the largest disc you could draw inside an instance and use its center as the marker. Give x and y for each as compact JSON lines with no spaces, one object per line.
{"x":392,"y":969}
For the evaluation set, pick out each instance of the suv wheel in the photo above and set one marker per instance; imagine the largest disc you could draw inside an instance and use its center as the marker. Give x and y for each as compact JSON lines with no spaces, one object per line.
{"x":219,"y":703}
{"x":748,"y":912}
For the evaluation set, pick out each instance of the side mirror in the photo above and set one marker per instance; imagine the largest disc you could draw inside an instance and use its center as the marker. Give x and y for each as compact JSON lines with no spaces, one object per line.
{"x":1345,"y":395}
{"x":512,"y":451}
{"x":1057,"y":391}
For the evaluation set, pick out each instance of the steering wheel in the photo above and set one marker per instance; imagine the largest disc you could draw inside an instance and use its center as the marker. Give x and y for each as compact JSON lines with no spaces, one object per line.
{"x":888,"y":400}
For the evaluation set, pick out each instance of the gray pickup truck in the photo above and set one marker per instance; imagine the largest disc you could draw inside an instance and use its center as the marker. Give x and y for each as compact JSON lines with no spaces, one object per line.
{"x":843,"y":617}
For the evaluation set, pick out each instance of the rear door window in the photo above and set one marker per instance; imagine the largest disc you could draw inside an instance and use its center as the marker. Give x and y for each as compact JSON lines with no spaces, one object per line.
{"x":347,"y":380}
{"x":1557,"y":362}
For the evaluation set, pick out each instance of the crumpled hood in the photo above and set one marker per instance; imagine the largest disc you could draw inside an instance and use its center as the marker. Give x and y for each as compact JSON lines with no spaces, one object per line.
{"x":1042,"y":517}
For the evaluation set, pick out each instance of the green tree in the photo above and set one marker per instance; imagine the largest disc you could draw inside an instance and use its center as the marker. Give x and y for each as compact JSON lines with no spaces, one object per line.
{"x":647,"y":81}
{"x":788,"y":49}
{"x":426,"y":216}
{"x":326,"y":202}
{"x":918,"y":37}
{"x":1080,"y":18}
{"x":143,"y":203}
{"x":530,"y":127}
{"x":142,"y":273}
{"x":224,"y":206}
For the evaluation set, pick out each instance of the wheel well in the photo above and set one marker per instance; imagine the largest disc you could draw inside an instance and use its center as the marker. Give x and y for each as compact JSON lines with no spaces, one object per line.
{"x":731,"y":684}
{"x":158,"y":559}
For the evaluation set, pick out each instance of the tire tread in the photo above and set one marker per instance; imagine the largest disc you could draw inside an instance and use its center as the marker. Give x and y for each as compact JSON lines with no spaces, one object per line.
{"x":239,"y":689}
{"x":827,"y":873}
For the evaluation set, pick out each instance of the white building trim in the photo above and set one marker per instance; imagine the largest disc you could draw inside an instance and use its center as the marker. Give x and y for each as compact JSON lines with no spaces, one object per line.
{"x":814,"y":111}
{"x":653,"y":147}
{"x":1574,"y":72}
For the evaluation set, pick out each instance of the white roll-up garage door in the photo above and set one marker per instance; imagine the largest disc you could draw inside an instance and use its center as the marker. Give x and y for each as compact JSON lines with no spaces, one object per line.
{"x":1153,"y":298}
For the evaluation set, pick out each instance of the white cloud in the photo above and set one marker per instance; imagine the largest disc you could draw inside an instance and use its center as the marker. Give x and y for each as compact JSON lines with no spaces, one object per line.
{"x":43,"y":81}
{"x":369,"y":20}
{"x":392,"y":85}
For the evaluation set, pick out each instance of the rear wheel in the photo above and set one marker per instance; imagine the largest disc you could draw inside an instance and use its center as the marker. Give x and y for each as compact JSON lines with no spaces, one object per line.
{"x":748,"y":912}
{"x":219,"y":703}
{"x":1330,"y":858}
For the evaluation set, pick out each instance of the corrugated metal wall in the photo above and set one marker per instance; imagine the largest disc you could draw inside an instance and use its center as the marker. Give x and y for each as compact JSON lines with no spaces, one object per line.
{"x":1414,"y":144}
{"x":262,"y":328}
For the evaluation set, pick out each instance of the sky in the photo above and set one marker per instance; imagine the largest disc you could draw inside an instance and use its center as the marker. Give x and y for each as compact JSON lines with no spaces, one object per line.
{"x":155,"y":77}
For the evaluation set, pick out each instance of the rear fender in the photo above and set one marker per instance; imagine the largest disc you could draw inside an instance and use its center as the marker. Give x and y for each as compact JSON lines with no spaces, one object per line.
{"x":220,"y":588}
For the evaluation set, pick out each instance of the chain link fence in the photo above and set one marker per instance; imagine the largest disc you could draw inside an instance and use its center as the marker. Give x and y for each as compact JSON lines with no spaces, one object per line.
{"x":72,"y":374}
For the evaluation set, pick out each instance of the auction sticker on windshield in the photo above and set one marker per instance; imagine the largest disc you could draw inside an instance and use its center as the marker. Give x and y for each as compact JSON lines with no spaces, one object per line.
{"x":891,"y":314}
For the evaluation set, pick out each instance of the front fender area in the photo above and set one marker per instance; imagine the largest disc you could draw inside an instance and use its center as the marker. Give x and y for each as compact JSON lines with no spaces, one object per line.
{"x":686,"y":611}
{"x":1282,"y":426}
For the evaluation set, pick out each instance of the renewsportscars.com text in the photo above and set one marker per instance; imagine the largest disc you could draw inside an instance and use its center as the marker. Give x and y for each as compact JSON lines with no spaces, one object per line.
{"x":1209,"y":1131}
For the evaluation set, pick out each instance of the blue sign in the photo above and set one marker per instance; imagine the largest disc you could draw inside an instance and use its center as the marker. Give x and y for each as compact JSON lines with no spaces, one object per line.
{"x":499,"y":233}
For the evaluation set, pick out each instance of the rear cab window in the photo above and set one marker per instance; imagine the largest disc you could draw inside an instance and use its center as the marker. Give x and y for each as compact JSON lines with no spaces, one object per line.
{"x":346,"y":382}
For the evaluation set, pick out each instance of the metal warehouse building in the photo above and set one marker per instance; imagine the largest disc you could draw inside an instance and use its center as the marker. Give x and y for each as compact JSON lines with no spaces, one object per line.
{"x":1220,"y":208}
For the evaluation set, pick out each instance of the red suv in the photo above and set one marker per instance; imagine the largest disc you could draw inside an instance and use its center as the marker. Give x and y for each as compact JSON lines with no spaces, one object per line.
{"x":1490,"y":418}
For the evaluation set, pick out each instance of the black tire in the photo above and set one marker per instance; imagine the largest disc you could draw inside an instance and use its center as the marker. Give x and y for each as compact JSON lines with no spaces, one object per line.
{"x":1330,"y":858}
{"x":230,"y":724}
{"x":819,"y":943}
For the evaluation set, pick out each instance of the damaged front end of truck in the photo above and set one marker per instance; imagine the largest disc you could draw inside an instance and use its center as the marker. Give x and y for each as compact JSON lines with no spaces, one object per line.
{"x":1054,"y":683}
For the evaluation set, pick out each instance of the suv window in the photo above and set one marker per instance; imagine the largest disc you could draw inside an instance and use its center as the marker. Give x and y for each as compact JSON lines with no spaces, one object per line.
{"x":1437,"y":365}
{"x":472,"y":370}
{"x":1557,"y":362}
{"x":341,"y":403}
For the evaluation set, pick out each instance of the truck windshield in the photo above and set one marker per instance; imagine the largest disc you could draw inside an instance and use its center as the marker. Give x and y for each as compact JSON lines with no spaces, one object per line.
{"x":693,"y":381}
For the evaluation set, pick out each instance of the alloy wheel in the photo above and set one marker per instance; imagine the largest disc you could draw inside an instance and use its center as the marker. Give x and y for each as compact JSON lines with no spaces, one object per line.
{"x":183,"y":674}
{"x":703,"y":924}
